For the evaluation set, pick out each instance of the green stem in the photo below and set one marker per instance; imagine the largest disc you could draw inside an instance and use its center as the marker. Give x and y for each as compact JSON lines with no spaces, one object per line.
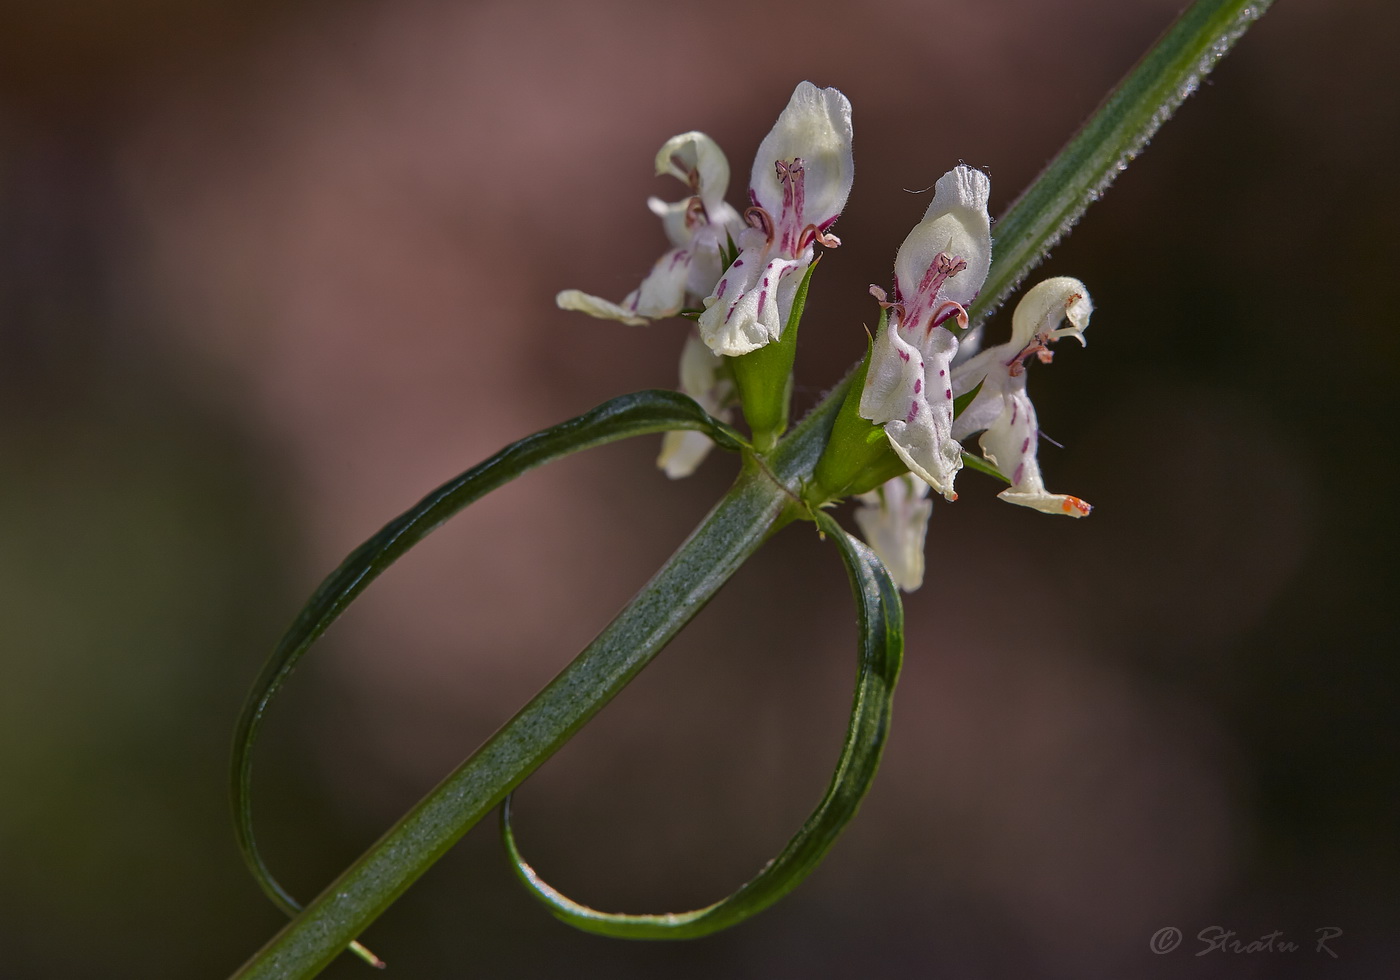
{"x":1109,"y":140}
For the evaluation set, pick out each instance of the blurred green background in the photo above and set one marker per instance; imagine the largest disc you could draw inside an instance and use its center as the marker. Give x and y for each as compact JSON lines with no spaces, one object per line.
{"x":269,"y":272}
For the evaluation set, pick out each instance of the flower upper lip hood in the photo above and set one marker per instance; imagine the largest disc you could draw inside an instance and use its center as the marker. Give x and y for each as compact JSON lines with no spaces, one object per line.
{"x":698,"y":227}
{"x":799,"y":184}
{"x":957,"y":226}
{"x":803,"y":170}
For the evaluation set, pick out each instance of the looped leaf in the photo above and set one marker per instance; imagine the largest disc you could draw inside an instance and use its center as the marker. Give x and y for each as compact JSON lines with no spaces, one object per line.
{"x":619,"y":418}
{"x":881,"y":651}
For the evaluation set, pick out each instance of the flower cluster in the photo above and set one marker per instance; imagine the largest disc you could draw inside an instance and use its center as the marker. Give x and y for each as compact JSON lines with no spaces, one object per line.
{"x":799,"y":184}
{"x":916,"y":375}
{"x":739,"y":277}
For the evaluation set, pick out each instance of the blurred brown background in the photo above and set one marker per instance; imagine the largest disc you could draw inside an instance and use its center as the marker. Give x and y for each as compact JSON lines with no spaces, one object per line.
{"x":269,"y":272}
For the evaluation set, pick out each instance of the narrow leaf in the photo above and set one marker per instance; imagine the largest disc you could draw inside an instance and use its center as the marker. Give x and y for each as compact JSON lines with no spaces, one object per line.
{"x":879,"y":653}
{"x":623,"y":417}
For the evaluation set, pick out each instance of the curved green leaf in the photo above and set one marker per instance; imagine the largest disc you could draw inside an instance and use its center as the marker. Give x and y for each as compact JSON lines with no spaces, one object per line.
{"x":881,"y":649}
{"x":620,"y":418}
{"x":761,"y":500}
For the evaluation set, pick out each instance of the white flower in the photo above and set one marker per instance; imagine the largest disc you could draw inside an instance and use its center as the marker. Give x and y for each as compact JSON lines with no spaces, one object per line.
{"x":706,"y":378}
{"x":893,"y":518}
{"x":1003,"y":407}
{"x":698,"y":226}
{"x":939,"y":270}
{"x":801,"y":179}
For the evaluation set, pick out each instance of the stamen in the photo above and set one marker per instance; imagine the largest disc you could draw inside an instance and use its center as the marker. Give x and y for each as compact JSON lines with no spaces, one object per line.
{"x":760,"y":219}
{"x":1017,"y":365}
{"x":798,"y":176}
{"x":943,"y":267}
{"x":947,"y":311}
{"x":814,"y":234}
{"x":883,"y":299}
{"x":791,"y":177}
{"x":949,"y":265}
{"x":695,"y":213}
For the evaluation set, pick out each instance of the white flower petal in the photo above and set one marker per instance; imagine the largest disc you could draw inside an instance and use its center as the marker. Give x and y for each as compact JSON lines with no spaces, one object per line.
{"x":751,"y":303}
{"x":956,"y":224}
{"x":893,"y":519}
{"x":932,"y":455}
{"x":682,"y":452}
{"x":581,"y":302}
{"x":675,"y":219}
{"x":1048,"y":503}
{"x":696,"y":161}
{"x":896,"y":371}
{"x":706,"y":378}
{"x":711,"y":242}
{"x":816,"y":128}
{"x":1010,"y":444}
{"x":1048,"y":304}
{"x":661,"y":294}
{"x":909,"y":392}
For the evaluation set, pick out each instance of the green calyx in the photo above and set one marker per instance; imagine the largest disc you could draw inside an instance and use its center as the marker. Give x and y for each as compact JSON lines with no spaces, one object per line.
{"x":858,"y":457}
